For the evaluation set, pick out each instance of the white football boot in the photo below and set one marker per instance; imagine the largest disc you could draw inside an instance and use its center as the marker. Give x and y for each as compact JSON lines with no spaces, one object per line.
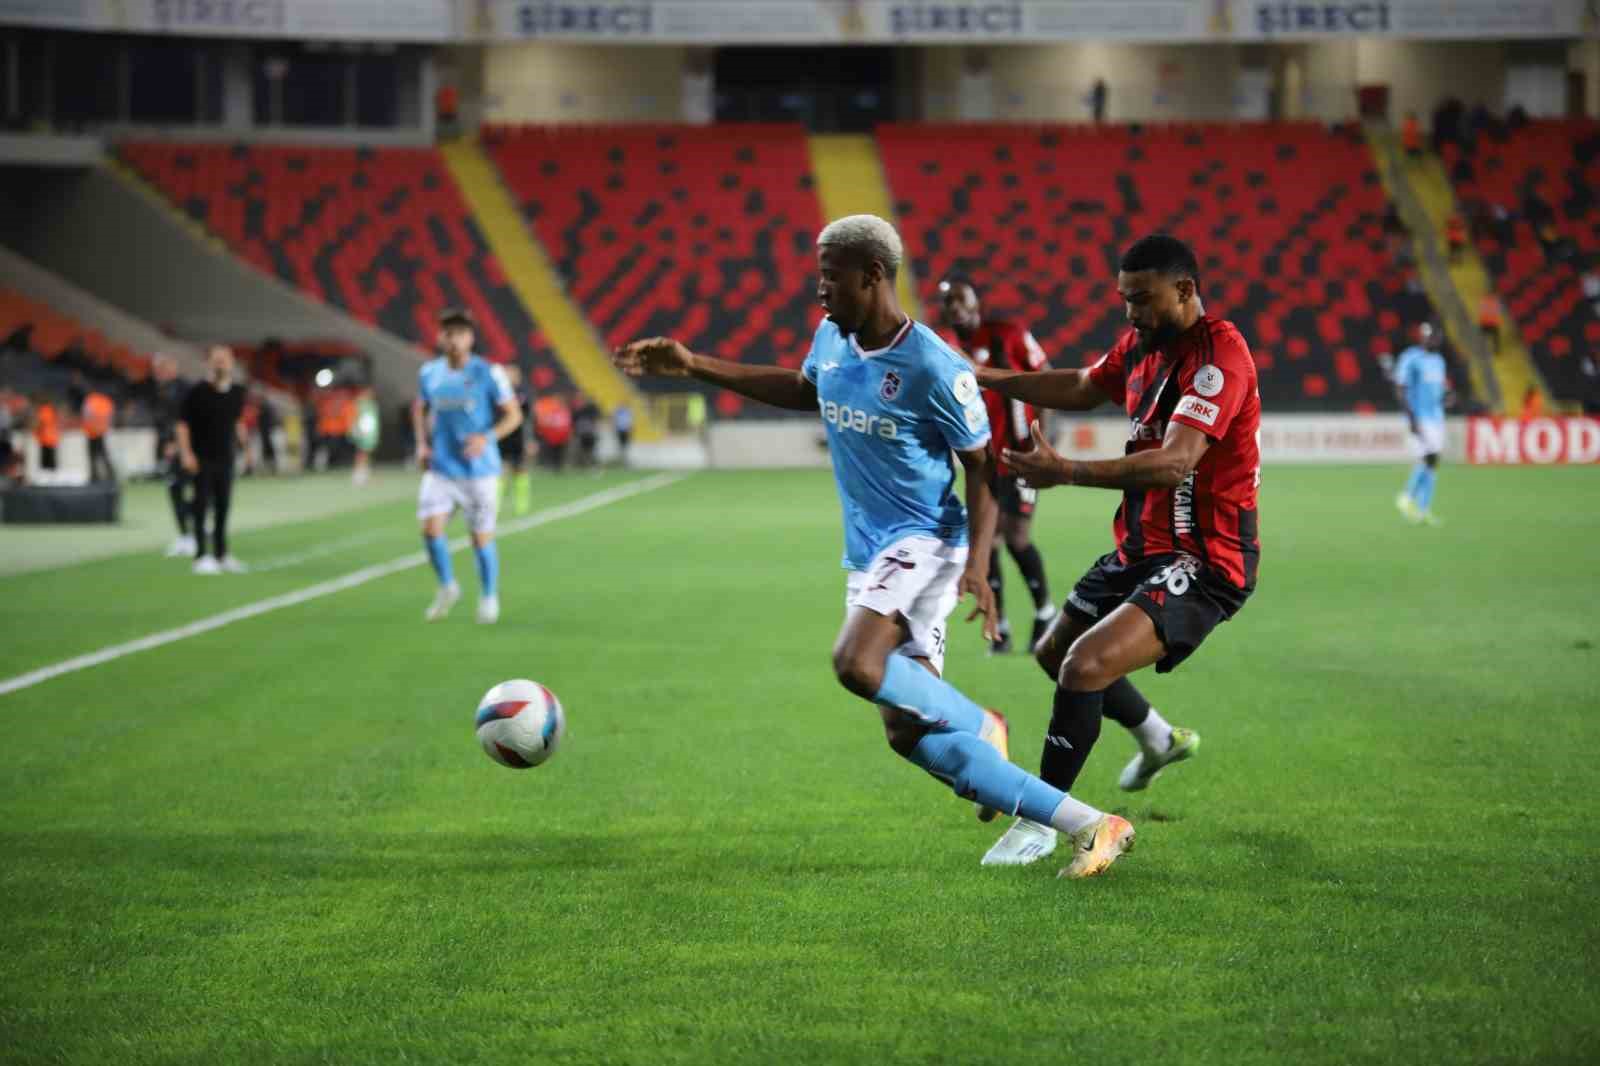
{"x":1143,"y":767}
{"x":443,"y":600}
{"x":207,"y":565}
{"x":180,"y":547}
{"x":1024,"y":843}
{"x":231,"y":565}
{"x":488,"y":610}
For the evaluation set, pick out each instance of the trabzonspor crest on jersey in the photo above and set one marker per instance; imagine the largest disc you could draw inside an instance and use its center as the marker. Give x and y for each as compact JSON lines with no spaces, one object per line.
{"x":893,"y":416}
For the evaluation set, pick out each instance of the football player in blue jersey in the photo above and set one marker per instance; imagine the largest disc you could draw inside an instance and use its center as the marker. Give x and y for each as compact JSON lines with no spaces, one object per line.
{"x":896,"y":402}
{"x":464,"y":405}
{"x":1421,"y":380}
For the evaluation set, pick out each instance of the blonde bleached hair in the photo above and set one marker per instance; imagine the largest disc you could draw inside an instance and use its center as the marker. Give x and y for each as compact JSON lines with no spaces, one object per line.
{"x":867,"y":237}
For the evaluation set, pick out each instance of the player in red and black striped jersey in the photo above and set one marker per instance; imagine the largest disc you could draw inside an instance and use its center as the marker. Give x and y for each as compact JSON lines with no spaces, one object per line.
{"x":995,"y":342}
{"x":1187,"y":547}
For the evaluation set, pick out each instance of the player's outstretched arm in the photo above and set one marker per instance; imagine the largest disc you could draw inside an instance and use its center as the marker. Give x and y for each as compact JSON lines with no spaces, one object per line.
{"x":665,"y":357}
{"x":1059,"y":390}
{"x":982,"y":515}
{"x":1159,"y":468}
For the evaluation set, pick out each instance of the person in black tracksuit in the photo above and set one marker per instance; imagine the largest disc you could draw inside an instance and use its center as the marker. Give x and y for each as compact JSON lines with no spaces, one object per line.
{"x":208,"y":432}
{"x":166,"y":403}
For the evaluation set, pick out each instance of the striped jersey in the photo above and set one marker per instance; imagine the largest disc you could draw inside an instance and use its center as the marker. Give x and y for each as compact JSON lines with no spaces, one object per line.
{"x":1207,"y":380}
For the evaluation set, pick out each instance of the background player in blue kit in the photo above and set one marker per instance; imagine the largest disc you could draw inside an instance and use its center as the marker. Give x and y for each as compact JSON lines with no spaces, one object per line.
{"x":464,"y":405}
{"x":897,"y":401}
{"x":1423,"y":385}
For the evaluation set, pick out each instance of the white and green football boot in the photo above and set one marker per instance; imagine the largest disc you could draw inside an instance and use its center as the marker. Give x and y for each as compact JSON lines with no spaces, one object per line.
{"x":1144,"y":767}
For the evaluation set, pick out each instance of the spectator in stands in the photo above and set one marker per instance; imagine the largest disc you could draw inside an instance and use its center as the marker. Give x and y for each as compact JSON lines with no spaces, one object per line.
{"x":1411,"y":135}
{"x":46,"y":431}
{"x":266,"y":427}
{"x":447,"y":106}
{"x":1534,"y":208}
{"x":586,"y":426}
{"x":1447,"y":124}
{"x":1589,"y":367}
{"x":166,"y":403}
{"x":1490,"y":318}
{"x":364,"y":433}
{"x":1501,"y":226}
{"x":1532,"y":404}
{"x":1097,"y":100}
{"x":209,"y":431}
{"x":1396,"y":234}
{"x":553,"y":426}
{"x":9,"y":457}
{"x":622,"y":424}
{"x":1455,"y":235}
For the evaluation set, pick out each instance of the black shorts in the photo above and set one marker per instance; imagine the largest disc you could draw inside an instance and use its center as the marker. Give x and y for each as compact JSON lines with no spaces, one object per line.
{"x":1184,"y":597}
{"x":512,"y":451}
{"x":1014,"y":496}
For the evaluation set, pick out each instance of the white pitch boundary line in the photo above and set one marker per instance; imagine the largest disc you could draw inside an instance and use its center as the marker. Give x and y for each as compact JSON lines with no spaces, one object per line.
{"x":332,"y":547}
{"x":326,"y":588}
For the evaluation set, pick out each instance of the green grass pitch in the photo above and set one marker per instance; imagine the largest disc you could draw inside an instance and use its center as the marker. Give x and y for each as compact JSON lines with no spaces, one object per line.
{"x":279,"y":841}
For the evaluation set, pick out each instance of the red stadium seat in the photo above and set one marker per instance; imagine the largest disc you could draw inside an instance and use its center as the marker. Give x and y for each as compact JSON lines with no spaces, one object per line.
{"x":382,"y":233}
{"x":1543,"y":176}
{"x":703,"y":233}
{"x":1286,"y":219}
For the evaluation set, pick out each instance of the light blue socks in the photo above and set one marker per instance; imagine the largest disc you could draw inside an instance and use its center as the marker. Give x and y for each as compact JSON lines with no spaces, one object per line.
{"x":439,"y":556}
{"x":953,"y":750}
{"x":488,"y":567}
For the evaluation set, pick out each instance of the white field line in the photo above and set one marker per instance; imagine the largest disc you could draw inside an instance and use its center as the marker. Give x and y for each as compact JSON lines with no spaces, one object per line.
{"x":332,"y":547}
{"x":325,"y":588}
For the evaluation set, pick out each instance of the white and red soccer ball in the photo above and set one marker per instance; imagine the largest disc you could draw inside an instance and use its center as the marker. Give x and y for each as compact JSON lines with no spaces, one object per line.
{"x":520,"y":723}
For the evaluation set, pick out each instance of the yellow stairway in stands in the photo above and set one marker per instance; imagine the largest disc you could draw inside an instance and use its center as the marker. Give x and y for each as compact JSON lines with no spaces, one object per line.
{"x":850,"y":181}
{"x":1512,"y":364}
{"x":534,"y":280}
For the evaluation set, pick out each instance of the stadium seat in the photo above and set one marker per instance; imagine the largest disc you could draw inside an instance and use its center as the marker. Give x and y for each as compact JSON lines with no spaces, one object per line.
{"x":703,"y":233}
{"x":383,"y":234}
{"x":47,"y":350}
{"x":1285,"y":217}
{"x":1530,"y":192}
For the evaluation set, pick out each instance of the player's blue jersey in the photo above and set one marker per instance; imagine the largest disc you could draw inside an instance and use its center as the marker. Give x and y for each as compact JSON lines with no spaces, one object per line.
{"x":893,"y":415}
{"x":1422,"y":374}
{"x":463,"y":402}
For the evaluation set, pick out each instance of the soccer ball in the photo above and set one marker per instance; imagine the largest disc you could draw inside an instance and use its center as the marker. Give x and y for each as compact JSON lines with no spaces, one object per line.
{"x":520,"y":723}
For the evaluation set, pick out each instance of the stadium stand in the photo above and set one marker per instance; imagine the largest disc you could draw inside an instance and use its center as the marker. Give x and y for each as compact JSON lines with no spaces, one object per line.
{"x":381,"y":233}
{"x":44,"y":351}
{"x":703,"y":233}
{"x":1530,"y":192}
{"x":1287,"y":219}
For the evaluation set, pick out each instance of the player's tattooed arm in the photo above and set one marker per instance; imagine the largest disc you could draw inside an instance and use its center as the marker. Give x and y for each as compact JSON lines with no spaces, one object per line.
{"x":1059,"y":390}
{"x":665,"y":357}
{"x":1158,"y":468}
{"x":982,"y":512}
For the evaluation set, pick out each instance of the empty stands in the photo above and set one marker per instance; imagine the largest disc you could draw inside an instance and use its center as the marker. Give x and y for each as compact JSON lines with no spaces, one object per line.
{"x":1536,"y":221}
{"x":1285,"y":217}
{"x":381,"y":233}
{"x":704,"y":233}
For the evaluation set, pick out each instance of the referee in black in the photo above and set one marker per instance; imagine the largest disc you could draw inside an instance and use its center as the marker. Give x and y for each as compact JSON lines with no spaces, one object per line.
{"x":208,"y":430}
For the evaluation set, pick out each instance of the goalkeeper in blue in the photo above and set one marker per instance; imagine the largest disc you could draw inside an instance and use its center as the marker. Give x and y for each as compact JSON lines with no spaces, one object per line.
{"x":1423,"y":386}
{"x":897,"y":403}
